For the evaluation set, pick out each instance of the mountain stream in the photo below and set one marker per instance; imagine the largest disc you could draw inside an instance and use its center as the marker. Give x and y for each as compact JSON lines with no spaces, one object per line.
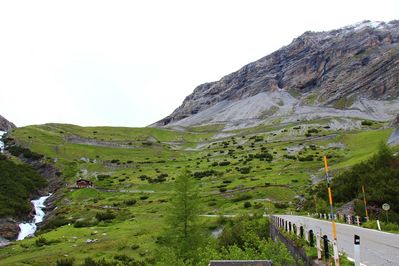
{"x":29,"y":228}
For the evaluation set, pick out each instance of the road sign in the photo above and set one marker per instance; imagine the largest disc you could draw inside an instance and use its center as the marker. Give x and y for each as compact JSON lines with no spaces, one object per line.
{"x":386,"y":207}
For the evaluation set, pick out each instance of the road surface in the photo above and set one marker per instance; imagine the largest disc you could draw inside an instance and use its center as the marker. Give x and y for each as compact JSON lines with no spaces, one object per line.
{"x":376,"y":248}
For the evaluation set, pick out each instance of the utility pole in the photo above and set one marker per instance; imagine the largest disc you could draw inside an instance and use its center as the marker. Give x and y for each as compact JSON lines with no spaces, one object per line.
{"x":365,"y":203}
{"x":334,"y":227}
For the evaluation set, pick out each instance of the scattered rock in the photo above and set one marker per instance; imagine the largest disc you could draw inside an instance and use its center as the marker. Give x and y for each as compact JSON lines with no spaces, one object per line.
{"x":89,"y":241}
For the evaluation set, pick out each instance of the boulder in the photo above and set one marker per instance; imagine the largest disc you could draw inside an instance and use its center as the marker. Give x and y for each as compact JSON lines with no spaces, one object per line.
{"x":9,"y":228}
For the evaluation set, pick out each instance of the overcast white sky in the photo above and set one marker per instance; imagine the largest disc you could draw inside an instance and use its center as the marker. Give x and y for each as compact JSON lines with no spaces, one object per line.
{"x":131,"y":63}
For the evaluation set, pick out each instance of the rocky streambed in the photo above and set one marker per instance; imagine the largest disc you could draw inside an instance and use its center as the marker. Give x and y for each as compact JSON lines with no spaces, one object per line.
{"x":29,"y":228}
{"x":10,"y":229}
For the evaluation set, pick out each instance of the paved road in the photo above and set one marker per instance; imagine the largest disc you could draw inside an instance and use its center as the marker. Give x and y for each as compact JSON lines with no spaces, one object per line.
{"x":376,"y":248}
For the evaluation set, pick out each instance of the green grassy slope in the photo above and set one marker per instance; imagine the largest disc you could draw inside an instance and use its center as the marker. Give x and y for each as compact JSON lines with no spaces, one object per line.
{"x":133,"y":170}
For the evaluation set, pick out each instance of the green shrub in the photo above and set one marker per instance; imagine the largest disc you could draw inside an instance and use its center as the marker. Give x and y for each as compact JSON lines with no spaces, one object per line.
{"x":135,"y":246}
{"x":130,"y":202}
{"x":83,"y":223}
{"x":17,"y":183}
{"x":247,"y":204}
{"x":241,"y":197}
{"x":105,"y":216}
{"x":101,"y":262}
{"x":65,"y":262}
{"x":224,"y":163}
{"x":367,"y":123}
{"x":41,"y":241}
{"x":281,"y":205}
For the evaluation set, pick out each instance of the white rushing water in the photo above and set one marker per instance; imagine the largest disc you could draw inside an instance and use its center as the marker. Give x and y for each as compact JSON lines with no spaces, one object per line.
{"x":29,"y":229}
{"x":1,"y":142}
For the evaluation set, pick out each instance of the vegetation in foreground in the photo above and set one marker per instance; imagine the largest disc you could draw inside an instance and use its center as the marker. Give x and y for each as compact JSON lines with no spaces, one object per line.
{"x":379,"y":175}
{"x":255,"y":170}
{"x":18,"y":183}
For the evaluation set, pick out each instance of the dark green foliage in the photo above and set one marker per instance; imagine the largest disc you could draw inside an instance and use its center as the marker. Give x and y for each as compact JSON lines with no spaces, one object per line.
{"x":379,"y":175}
{"x":205,"y":173}
{"x":246,"y":238}
{"x":17,"y":184}
{"x":130,"y":202}
{"x":105,"y":216}
{"x":222,"y":189}
{"x":234,"y":230}
{"x":367,"y":123}
{"x":244,"y":170}
{"x":17,"y":151}
{"x":83,"y":223}
{"x":128,"y":261}
{"x":101,"y":262}
{"x":224,"y":163}
{"x":241,"y":197}
{"x":247,"y":204}
{"x":292,"y":157}
{"x":41,"y":241}
{"x":102,"y":177}
{"x":55,"y":222}
{"x":65,"y":262}
{"x":281,"y":205}
{"x":313,"y":130}
{"x":307,"y":158}
{"x":183,"y":233}
{"x":264,"y":156}
{"x":135,"y":246}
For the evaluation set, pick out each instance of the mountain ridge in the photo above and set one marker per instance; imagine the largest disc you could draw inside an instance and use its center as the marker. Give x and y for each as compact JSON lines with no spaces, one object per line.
{"x":6,"y":125}
{"x":350,"y":72}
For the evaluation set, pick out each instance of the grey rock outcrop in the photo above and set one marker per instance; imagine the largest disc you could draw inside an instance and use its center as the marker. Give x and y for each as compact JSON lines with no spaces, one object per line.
{"x":353,"y":68}
{"x":9,"y":228}
{"x":5,"y":125}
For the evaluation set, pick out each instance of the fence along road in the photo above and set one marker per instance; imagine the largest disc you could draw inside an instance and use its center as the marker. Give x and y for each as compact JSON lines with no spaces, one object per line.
{"x":376,"y":248}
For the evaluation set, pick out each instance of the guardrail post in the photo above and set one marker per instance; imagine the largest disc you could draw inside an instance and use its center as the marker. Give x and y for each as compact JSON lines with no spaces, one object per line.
{"x":318,"y":239}
{"x":378,"y":224}
{"x":325,"y":247}
{"x":356,"y":250}
{"x":311,"y":238}
{"x":336,"y":254}
{"x":358,"y":220}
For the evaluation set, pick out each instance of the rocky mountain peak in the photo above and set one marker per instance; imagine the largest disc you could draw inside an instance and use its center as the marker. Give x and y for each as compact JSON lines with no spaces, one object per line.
{"x":352,"y":69}
{"x":5,"y":125}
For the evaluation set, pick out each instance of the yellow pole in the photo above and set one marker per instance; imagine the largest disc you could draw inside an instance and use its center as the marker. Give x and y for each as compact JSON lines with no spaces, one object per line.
{"x":334,"y":227}
{"x":365,"y":203}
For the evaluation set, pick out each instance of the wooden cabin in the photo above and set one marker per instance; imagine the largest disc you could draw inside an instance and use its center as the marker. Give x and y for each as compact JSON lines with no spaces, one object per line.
{"x":83,"y":183}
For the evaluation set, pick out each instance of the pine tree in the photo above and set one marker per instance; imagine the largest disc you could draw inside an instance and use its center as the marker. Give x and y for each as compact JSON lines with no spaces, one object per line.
{"x":184,"y":233}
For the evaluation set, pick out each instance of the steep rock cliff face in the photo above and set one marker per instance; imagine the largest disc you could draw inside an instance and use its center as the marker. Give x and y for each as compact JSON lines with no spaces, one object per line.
{"x":5,"y":125}
{"x":353,"y":71}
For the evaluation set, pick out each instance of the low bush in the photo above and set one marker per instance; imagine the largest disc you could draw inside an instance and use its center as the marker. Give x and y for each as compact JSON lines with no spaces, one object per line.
{"x":281,"y":205}
{"x":247,"y":204}
{"x":105,"y":216}
{"x":65,"y":262}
